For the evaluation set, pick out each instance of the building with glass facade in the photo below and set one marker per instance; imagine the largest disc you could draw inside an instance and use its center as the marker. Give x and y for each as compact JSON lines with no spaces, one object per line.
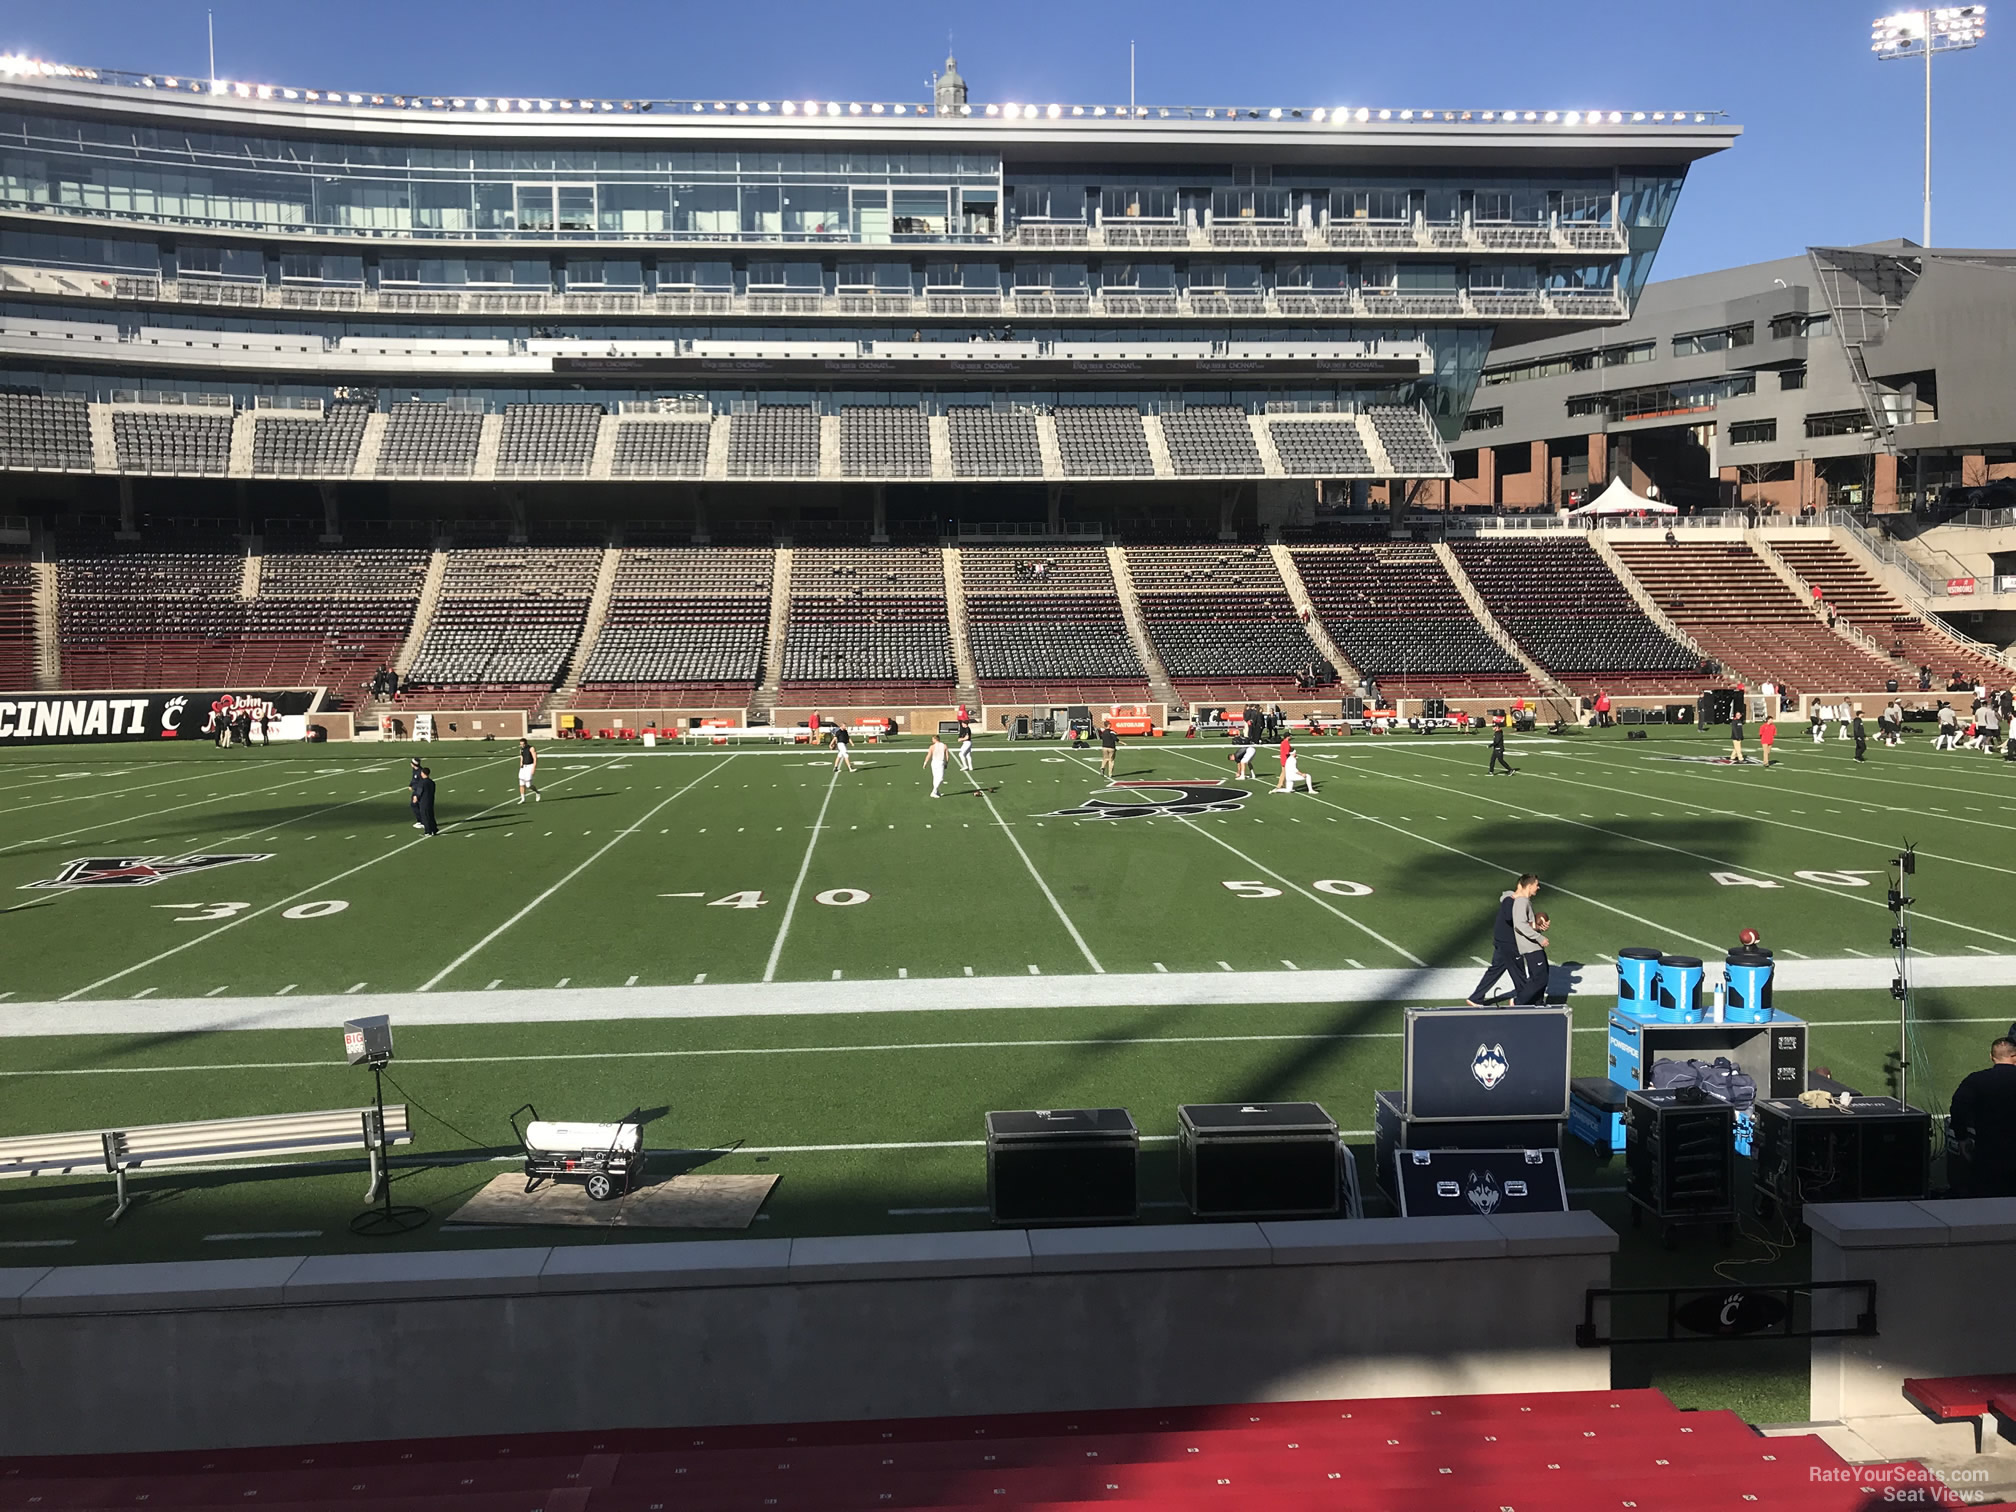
{"x":234,"y":252}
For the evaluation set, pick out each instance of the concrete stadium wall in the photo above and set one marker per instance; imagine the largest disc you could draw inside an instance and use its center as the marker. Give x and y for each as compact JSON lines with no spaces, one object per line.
{"x":217,"y":1353}
{"x":1942,"y":1272}
{"x":463,"y":724}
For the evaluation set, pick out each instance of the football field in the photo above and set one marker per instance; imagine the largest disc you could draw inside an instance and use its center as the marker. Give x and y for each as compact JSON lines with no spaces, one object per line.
{"x":299,"y":873}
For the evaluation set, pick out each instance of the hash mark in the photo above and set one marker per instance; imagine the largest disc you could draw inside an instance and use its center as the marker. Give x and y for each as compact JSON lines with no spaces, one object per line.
{"x":215,"y":990}
{"x":699,"y":979}
{"x":499,"y":982}
{"x":1354,"y":965}
{"x":1158,"y":966}
{"x":1291,"y":965}
{"x":632,"y":982}
{"x":969,"y":971}
{"x":353,"y":987}
{"x":1035,"y":971}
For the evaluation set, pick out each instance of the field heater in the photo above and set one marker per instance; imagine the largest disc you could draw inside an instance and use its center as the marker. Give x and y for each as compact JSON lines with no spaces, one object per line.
{"x":606,"y":1158}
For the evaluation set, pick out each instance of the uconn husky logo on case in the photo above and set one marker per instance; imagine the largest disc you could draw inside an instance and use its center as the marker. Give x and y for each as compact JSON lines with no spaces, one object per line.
{"x":1483,"y":1192}
{"x":1185,"y":799}
{"x":1489,"y":1066}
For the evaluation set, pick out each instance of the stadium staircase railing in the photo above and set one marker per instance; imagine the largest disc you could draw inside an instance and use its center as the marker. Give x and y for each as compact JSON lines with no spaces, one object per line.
{"x":1305,"y":606}
{"x":764,"y":704}
{"x":1909,"y":581}
{"x":962,"y":638}
{"x":1159,"y":687}
{"x":591,"y":629}
{"x":1600,"y":543}
{"x":1540,"y":675}
{"x":1803,"y":591}
{"x":48,"y":629}
{"x":118,"y":1151}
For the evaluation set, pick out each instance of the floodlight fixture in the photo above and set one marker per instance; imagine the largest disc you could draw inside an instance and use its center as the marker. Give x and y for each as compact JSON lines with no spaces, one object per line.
{"x":1922,"y":34}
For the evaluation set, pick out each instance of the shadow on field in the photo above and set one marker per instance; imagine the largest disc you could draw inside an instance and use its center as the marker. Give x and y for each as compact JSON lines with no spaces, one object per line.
{"x":1459,"y":891}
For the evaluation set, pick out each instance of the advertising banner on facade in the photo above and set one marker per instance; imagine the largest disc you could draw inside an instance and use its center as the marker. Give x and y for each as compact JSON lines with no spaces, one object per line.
{"x":1959,"y":587}
{"x":93,"y":718}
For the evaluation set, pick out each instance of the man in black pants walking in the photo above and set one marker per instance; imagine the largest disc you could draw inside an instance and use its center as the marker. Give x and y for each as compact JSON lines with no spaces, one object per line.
{"x":1498,"y":749}
{"x":1861,"y":736}
{"x":1504,"y":943}
{"x":423,"y":801}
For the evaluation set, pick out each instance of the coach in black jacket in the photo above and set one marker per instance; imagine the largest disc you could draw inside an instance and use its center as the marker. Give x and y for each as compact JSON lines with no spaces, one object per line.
{"x":1984,"y":1111}
{"x":423,"y":800}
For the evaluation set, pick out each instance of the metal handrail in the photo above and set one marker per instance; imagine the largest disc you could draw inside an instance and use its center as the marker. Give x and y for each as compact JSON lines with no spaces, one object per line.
{"x":1882,"y":551}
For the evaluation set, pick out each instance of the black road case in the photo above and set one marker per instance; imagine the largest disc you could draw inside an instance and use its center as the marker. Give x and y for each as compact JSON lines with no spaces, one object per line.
{"x":1393,"y":1131}
{"x":1251,"y":1160}
{"x":1680,"y":1159}
{"x":1463,"y":1183}
{"x":1063,"y":1165}
{"x":1486,"y":1063}
{"x":1874,"y":1150}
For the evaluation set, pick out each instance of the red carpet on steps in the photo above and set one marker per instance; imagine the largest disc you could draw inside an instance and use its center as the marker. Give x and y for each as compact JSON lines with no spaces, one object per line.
{"x":1563,"y":1452}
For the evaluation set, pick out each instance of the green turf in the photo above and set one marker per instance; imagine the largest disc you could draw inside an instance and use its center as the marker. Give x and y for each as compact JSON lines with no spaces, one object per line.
{"x":1627,"y":838}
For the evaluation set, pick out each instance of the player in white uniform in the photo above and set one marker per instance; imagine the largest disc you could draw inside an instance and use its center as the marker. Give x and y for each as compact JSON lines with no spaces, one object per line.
{"x":528,"y":772}
{"x":935,"y":760}
{"x":1292,"y":773}
{"x":1242,"y":758}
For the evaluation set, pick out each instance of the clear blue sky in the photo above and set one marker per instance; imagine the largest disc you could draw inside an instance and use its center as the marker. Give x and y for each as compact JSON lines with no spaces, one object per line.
{"x":1830,"y":152}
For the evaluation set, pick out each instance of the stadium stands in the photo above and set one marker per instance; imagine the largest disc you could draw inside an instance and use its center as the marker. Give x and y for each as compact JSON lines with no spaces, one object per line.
{"x":1411,"y":446}
{"x":548,"y":440}
{"x":1560,"y":601}
{"x":173,"y":440}
{"x":1222,"y":622}
{"x":1871,"y":608}
{"x":290,"y":445}
{"x":1211,"y":439}
{"x":1049,"y":626}
{"x":868,"y":624}
{"x":429,"y":441}
{"x":17,"y":624}
{"x":1725,"y":596}
{"x":684,"y":624}
{"x":884,"y":442}
{"x":1396,"y":614}
{"x":987,"y":444}
{"x":1326,"y":448}
{"x":774,"y":441}
{"x":1099,"y":440}
{"x":507,"y":621}
{"x":166,"y":620}
{"x":661,"y":448}
{"x":45,"y":432}
{"x":1534,"y":1452}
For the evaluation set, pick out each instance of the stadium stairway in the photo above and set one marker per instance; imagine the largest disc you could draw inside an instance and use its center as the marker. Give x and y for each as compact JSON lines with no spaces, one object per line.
{"x":1319,"y":633}
{"x":1909,"y":633}
{"x":423,"y":614}
{"x":1844,"y":625}
{"x":48,"y":628}
{"x":1160,"y":688}
{"x":591,"y":629}
{"x":1599,"y":542}
{"x":764,"y":704}
{"x":1540,"y":675}
{"x":962,"y":641}
{"x":372,"y":444}
{"x":1564,"y":1452}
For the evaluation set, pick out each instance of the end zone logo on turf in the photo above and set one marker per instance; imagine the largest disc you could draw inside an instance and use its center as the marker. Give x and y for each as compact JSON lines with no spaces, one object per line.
{"x":1185,"y":799}
{"x":135,"y":871}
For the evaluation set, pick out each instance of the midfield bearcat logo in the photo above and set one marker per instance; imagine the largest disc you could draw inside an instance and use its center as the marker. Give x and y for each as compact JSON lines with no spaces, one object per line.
{"x":136,"y":871}
{"x":1178,"y":799}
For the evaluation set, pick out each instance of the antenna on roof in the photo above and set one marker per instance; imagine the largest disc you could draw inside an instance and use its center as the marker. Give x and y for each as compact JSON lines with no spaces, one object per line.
{"x":210,"y":19}
{"x":1130,"y":78}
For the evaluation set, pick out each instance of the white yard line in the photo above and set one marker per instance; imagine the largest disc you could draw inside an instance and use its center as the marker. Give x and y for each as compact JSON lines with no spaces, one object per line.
{"x":1037,"y":877}
{"x":617,"y":839}
{"x":1257,"y":989}
{"x":798,"y":887}
{"x":257,"y":913}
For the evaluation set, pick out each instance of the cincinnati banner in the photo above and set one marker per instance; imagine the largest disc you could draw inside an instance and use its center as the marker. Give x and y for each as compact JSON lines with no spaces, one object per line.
{"x":94,"y":718}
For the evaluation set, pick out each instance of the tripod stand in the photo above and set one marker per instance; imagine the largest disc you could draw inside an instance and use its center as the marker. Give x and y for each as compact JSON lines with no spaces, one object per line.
{"x":385,"y":1219}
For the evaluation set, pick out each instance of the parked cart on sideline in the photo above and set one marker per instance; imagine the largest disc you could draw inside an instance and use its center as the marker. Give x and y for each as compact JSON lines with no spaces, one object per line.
{"x":605,"y":1157}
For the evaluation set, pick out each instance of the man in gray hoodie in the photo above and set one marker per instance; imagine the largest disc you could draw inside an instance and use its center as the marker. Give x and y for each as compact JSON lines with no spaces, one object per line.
{"x":1506,"y":945}
{"x":1529,"y":931}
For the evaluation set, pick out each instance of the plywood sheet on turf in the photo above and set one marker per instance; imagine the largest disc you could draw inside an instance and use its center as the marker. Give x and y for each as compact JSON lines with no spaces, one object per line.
{"x":697,"y":1200}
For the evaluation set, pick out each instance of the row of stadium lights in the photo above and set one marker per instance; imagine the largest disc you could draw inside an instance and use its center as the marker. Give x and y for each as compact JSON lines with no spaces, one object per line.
{"x":14,"y":66}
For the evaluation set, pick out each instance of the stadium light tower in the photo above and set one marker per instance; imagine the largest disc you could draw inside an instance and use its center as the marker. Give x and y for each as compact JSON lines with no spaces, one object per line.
{"x":1910,"y":34}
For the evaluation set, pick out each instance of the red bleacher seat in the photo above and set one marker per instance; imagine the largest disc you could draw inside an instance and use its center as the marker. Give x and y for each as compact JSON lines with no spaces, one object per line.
{"x":1949,"y":1399}
{"x":1570,"y":1452}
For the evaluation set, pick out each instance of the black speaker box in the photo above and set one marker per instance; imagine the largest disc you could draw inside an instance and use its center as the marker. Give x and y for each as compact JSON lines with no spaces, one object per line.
{"x":1246,"y":1160}
{"x":1063,"y":1165}
{"x":1680,"y":1157}
{"x":1875,"y":1150}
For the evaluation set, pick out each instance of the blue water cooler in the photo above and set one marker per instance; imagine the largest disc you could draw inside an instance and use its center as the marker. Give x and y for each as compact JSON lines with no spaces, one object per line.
{"x":1637,"y":971}
{"x":1748,"y":973}
{"x":1678,"y":989}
